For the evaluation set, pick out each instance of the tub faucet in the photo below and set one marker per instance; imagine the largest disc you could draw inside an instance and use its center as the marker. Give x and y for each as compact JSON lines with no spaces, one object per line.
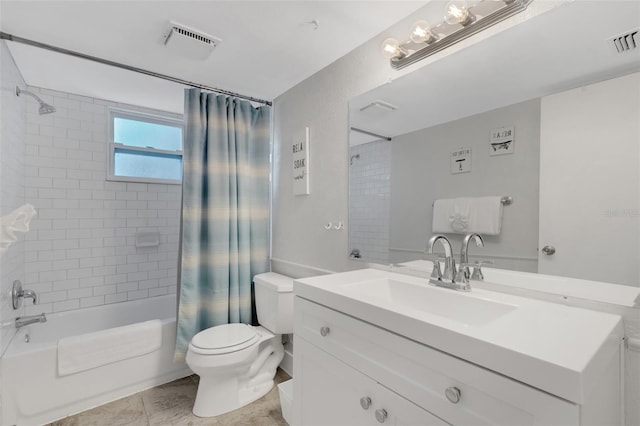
{"x":30,"y":319}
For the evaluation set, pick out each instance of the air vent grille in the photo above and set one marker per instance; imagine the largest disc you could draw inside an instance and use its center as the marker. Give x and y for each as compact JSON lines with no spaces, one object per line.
{"x":189,"y":43}
{"x":193,"y":35}
{"x":626,"y":42}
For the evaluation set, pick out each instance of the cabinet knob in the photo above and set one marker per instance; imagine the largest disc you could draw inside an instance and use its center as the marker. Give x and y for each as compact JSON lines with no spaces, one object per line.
{"x":453,"y":394}
{"x":324,"y":331}
{"x":365,"y":402}
{"x":381,"y":415}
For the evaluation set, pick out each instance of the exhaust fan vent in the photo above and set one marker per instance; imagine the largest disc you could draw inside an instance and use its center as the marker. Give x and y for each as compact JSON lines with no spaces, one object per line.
{"x":626,"y":42}
{"x":189,"y":42}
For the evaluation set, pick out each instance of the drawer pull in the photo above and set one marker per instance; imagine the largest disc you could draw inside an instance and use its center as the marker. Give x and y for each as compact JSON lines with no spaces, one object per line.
{"x":381,"y":415}
{"x":324,"y":331}
{"x":365,"y":402}
{"x":453,"y":394}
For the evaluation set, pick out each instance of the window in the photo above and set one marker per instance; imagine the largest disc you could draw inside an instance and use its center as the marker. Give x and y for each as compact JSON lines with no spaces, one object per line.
{"x":144,"y":148}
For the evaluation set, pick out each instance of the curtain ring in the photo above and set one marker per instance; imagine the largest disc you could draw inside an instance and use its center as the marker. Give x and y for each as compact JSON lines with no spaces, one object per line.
{"x":340,"y":225}
{"x":328,"y":226}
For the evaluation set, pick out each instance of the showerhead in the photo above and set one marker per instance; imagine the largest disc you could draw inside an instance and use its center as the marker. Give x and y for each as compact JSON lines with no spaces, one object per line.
{"x":45,"y":108}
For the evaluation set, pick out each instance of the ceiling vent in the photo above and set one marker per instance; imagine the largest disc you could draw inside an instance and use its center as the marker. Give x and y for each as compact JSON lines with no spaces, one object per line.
{"x":190,"y":43}
{"x":379,"y":106}
{"x":626,"y":42}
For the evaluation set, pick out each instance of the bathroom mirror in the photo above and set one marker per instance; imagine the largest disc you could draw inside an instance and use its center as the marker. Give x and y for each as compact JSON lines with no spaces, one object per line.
{"x":536,"y":79}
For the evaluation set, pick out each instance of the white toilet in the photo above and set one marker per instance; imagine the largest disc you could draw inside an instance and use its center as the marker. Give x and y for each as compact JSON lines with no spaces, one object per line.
{"x":237,"y":362}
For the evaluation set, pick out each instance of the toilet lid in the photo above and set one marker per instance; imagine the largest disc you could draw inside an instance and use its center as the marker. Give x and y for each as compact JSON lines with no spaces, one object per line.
{"x":226,"y":338}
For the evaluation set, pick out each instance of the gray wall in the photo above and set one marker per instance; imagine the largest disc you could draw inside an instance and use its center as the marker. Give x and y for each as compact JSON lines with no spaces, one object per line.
{"x":420,"y":174}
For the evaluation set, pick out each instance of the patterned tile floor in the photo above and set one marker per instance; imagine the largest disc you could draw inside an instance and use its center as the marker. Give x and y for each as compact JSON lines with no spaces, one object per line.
{"x":170,"y":404}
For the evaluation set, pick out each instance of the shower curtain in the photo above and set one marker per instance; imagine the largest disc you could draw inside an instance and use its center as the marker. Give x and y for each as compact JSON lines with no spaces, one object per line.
{"x":225,"y":212}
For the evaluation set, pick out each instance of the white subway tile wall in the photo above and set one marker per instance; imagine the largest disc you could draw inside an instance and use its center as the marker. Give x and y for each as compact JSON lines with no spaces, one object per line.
{"x":82,"y":251}
{"x":12,"y":180}
{"x":369,"y":197}
{"x":12,"y":134}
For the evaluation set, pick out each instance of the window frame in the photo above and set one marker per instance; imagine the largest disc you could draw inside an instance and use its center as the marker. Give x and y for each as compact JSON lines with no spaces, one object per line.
{"x":113,"y":146}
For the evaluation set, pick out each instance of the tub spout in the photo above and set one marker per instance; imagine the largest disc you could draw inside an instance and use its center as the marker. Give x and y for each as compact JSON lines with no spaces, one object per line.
{"x":30,"y":319}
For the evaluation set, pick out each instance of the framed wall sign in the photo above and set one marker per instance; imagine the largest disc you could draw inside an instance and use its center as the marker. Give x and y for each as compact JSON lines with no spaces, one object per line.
{"x":300,"y":163}
{"x":461,"y":160}
{"x":502,"y":141}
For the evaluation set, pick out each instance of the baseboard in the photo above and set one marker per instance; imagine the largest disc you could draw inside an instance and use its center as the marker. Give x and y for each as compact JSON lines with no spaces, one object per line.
{"x":287,"y":363}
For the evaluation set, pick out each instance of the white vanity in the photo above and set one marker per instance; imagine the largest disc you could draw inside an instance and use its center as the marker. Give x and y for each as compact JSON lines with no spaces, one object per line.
{"x":372,"y":346}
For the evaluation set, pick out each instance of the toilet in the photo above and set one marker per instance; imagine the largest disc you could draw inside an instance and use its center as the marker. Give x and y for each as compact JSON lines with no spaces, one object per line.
{"x":237,"y":362}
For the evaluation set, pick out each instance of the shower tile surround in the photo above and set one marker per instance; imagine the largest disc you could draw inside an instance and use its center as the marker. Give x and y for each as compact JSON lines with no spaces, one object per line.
{"x":369,"y":197}
{"x":81,"y":250}
{"x":12,"y":179}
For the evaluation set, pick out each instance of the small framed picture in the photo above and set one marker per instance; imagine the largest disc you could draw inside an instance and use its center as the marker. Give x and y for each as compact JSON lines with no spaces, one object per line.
{"x":502,"y":141}
{"x":461,"y":161}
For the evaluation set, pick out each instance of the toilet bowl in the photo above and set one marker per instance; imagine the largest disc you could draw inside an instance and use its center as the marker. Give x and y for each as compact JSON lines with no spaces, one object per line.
{"x":237,"y":362}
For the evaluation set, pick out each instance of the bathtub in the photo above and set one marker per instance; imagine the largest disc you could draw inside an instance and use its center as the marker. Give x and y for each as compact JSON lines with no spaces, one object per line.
{"x":34,"y":393}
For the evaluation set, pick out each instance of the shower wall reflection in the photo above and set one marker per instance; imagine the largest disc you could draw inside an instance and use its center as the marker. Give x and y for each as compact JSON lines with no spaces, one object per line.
{"x":369,"y":195}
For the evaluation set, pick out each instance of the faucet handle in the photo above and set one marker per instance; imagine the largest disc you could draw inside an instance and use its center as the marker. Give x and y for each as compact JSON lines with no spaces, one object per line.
{"x":477,"y":269}
{"x":436,"y":272}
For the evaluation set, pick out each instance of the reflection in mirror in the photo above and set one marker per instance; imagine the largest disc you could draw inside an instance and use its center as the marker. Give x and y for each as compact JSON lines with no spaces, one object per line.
{"x":572,"y":163}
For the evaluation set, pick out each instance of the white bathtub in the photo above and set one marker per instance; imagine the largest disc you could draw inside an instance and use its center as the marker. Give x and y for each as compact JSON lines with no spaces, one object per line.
{"x":34,"y":393}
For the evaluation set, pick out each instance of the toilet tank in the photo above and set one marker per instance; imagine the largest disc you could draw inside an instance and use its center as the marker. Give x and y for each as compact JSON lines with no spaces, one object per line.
{"x":274,"y":302}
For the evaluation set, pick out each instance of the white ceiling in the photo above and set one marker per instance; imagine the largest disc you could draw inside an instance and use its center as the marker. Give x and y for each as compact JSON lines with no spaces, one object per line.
{"x":267,"y":46}
{"x":567,"y":47}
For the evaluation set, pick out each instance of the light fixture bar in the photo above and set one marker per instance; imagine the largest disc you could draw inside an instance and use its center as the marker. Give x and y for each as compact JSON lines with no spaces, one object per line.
{"x":507,"y":10}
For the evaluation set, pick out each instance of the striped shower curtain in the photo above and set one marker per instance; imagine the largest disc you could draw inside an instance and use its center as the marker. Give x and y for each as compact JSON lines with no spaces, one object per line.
{"x":225,"y":212}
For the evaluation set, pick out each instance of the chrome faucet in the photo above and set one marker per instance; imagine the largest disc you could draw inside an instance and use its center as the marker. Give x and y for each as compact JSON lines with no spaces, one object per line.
{"x":30,"y":319}
{"x":449,"y":277}
{"x":464,"y":272}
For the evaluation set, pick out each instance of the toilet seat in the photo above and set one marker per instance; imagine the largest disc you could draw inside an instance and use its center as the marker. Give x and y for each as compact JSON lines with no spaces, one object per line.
{"x":224,"y":339}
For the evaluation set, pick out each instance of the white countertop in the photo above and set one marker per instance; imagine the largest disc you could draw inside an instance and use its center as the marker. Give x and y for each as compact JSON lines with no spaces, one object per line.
{"x":616,"y":294}
{"x":556,"y":348}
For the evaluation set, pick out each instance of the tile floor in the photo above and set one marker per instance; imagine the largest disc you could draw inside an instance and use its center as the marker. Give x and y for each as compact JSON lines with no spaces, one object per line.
{"x":170,"y":404}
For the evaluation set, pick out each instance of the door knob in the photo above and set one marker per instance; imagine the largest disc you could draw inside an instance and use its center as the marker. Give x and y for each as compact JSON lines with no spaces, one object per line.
{"x":549,"y":250}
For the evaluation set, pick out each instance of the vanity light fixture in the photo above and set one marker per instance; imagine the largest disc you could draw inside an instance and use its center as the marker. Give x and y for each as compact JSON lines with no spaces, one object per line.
{"x":461,"y":20}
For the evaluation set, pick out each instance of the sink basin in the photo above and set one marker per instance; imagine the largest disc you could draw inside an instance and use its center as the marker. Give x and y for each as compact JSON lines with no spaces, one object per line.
{"x":464,"y":308}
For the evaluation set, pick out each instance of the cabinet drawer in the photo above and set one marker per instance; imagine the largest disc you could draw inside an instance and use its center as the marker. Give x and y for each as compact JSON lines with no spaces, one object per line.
{"x":422,"y":374}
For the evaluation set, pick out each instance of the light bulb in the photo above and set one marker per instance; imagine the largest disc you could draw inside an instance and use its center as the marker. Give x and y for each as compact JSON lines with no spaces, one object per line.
{"x":421,"y":32}
{"x":457,"y":12}
{"x":391,"y":48}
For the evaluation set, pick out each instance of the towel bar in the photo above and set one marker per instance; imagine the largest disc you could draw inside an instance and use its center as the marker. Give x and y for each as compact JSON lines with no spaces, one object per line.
{"x":506,"y":201}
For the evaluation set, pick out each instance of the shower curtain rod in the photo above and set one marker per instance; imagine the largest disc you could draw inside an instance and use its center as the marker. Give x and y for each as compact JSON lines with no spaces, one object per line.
{"x":375,"y":135}
{"x":11,"y":37}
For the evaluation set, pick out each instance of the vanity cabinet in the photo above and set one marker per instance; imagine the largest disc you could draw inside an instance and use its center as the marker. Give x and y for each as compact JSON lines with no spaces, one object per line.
{"x":340,"y":360}
{"x":333,"y":390}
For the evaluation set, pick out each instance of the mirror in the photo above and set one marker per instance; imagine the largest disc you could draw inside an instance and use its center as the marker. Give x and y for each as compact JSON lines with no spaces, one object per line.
{"x":543,"y":79}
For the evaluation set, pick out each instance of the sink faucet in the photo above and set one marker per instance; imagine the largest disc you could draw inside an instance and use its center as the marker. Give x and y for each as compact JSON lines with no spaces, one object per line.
{"x":464,"y":272}
{"x":448,"y":278}
{"x":30,"y":319}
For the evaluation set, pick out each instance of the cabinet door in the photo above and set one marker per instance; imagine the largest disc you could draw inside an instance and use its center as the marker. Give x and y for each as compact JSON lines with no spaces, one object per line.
{"x":326,"y":391}
{"x":400,"y":411}
{"x":329,"y":392}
